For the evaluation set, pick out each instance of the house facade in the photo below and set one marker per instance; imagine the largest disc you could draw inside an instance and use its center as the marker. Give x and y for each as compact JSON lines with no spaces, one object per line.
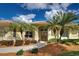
{"x":42,"y":33}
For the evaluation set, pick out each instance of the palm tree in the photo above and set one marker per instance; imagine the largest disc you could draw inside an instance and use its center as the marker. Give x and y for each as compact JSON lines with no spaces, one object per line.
{"x":65,"y":18}
{"x":53,"y":24}
{"x":13,"y":27}
{"x":61,"y":19}
{"x":25,"y":26}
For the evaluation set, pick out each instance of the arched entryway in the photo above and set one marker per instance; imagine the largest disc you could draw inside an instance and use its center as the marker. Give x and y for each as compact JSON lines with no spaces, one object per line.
{"x":43,"y":34}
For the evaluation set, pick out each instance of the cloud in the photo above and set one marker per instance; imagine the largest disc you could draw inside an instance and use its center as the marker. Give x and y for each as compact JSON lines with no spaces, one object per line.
{"x":45,"y":5}
{"x":54,"y":7}
{"x":50,"y":14}
{"x":34,"y":5}
{"x":24,"y":18}
{"x":65,"y":5}
{"x":74,"y":11}
{"x":59,"y":7}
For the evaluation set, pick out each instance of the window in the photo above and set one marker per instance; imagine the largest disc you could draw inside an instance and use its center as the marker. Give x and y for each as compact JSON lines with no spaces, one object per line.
{"x":65,"y":34}
{"x":28,"y":34}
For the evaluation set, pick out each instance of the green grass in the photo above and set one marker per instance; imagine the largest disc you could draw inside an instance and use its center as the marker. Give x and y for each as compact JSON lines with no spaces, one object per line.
{"x":72,"y":53}
{"x":65,"y":41}
{"x":70,"y":41}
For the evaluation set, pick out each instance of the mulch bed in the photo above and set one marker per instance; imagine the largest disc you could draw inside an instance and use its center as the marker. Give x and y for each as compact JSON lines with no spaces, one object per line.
{"x":53,"y":49}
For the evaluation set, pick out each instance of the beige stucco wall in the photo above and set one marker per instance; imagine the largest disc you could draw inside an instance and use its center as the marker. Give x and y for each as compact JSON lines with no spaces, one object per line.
{"x":49,"y":35}
{"x":10,"y":34}
{"x":52,"y":36}
{"x":36,"y":35}
{"x":73,"y":35}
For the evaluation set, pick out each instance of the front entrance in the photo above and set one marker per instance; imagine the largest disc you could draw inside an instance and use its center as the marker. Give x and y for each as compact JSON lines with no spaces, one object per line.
{"x":43,"y":34}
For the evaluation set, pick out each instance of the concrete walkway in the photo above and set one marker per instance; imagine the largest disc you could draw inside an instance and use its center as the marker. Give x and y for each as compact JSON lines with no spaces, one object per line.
{"x":27,"y":47}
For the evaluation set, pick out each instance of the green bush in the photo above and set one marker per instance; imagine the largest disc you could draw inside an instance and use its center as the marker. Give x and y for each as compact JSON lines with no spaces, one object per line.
{"x":20,"y":52}
{"x":34,"y":50}
{"x":72,"y":53}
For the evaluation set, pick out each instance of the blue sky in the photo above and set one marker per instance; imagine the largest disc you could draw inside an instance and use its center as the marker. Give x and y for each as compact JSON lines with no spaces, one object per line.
{"x":34,"y":12}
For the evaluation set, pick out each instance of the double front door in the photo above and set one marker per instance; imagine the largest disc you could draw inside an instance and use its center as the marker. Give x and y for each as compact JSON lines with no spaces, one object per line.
{"x":43,"y":34}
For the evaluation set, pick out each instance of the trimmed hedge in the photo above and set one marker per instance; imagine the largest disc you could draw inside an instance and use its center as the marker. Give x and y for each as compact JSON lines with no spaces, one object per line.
{"x":27,"y":42}
{"x":19,"y":42}
{"x":33,"y":41}
{"x":6,"y":42}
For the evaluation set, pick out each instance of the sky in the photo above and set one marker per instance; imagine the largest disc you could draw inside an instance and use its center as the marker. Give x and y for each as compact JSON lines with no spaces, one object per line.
{"x":34,"y":11}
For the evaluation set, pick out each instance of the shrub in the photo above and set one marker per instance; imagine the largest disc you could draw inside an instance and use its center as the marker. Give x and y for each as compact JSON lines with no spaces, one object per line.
{"x":18,"y":42}
{"x":33,"y":41}
{"x":20,"y":52}
{"x":34,"y":50}
{"x":27,"y":42}
{"x":7,"y":42}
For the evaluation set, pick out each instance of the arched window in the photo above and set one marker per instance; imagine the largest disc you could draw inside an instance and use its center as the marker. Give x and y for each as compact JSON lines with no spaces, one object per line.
{"x":28,"y":34}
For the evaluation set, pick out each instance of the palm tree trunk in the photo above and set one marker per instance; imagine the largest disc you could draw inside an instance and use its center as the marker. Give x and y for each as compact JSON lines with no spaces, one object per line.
{"x":23,"y":39}
{"x":61,"y":32}
{"x":21,"y":31}
{"x":14,"y":35}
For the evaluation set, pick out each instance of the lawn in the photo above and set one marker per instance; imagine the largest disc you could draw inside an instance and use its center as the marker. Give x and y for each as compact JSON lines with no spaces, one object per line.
{"x":72,"y":53}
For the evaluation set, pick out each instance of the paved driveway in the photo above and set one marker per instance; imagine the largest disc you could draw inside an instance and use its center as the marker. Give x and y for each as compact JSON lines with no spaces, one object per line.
{"x":27,"y":47}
